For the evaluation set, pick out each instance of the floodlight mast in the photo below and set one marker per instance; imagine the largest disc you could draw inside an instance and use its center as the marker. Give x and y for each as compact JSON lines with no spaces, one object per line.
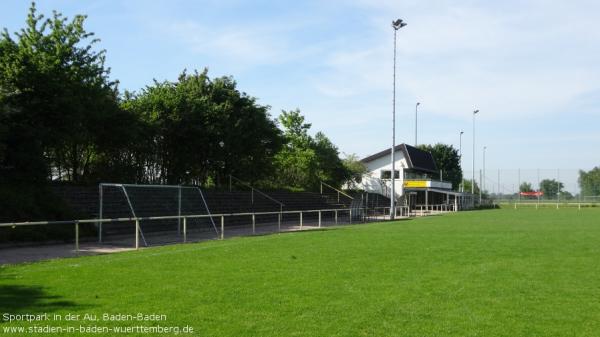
{"x":473,"y":167}
{"x":397,"y":24}
{"x":460,"y":158}
{"x":416,"y":122}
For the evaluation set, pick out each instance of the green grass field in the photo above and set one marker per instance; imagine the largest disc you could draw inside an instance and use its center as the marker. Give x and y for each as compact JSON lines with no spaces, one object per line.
{"x":504,"y":272}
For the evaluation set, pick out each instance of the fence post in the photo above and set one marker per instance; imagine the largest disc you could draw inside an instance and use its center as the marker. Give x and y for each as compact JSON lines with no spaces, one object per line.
{"x":350,"y":221}
{"x":222,"y":227}
{"x":100,"y":214}
{"x":336,"y":220}
{"x":253,"y":224}
{"x":137,"y":234}
{"x":184,"y":229}
{"x":76,"y":236}
{"x":179,"y":211}
{"x":319,"y":219}
{"x":300,"y":220}
{"x":279,"y":222}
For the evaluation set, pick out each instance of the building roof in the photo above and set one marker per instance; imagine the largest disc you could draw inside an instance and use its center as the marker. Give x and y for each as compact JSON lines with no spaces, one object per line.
{"x":417,"y":159}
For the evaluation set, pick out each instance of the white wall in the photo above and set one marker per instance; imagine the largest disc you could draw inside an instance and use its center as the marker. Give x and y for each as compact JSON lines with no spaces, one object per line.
{"x":371,"y":181}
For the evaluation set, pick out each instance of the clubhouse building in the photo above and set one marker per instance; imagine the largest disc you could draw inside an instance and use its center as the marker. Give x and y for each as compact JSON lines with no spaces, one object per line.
{"x":418,"y":181}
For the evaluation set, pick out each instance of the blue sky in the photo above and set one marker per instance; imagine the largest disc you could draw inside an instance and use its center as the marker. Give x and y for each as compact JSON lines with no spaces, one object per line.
{"x":531,"y":67}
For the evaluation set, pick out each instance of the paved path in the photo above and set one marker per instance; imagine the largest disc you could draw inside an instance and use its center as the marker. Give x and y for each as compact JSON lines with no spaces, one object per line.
{"x":15,"y":255}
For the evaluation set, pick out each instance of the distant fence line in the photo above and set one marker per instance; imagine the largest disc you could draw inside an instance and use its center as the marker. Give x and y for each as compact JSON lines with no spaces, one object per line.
{"x":507,"y":181}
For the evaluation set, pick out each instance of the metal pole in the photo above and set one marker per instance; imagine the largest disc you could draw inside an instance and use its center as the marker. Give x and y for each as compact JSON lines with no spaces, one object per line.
{"x":100,"y":213}
{"x":319,"y":219}
{"x":336,"y":217}
{"x":137,"y":234}
{"x":393,"y":172}
{"x":483,"y":181}
{"x":558,"y":187}
{"x":184,"y":229}
{"x":461,"y":189}
{"x":416,"y":122}
{"x":473,"y":166}
{"x":480,"y":189}
{"x":222,"y":227}
{"x":253,"y":224}
{"x":77,"y":237}
{"x":519,"y":186}
{"x":396,"y":25}
{"x":279,"y":222}
{"x":300,"y":220}
{"x":538,"y":181}
{"x":179,"y":211}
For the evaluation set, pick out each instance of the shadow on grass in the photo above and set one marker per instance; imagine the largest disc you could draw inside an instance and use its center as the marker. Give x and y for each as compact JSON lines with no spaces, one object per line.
{"x":30,"y":299}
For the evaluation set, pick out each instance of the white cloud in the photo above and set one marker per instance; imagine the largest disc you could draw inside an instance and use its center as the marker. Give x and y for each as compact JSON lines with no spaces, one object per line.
{"x":457,"y":57}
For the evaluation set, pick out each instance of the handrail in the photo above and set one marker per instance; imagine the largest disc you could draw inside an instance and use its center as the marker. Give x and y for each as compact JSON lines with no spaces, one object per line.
{"x":335,"y":189}
{"x":257,"y":190}
{"x":166,"y":217}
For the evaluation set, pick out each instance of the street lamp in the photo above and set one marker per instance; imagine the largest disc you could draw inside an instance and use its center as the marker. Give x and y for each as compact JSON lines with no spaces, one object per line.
{"x":416,"y":120}
{"x":396,"y":25}
{"x":460,"y":157}
{"x":473,"y":167}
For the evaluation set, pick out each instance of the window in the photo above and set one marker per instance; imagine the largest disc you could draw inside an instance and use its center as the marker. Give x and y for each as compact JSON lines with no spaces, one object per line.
{"x":387,"y":174}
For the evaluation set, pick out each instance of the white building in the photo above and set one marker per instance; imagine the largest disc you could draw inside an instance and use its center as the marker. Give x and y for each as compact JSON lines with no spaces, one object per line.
{"x":418,"y":181}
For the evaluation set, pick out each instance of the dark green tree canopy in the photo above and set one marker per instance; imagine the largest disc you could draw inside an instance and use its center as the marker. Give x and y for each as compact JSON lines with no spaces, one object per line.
{"x":305,"y":161}
{"x":589,"y":182}
{"x":551,"y":187}
{"x":54,"y":93}
{"x":447,"y":159}
{"x":525,"y":187}
{"x":202,"y":130}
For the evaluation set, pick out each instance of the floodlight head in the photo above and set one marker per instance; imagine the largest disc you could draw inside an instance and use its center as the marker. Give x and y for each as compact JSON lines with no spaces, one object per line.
{"x":398,"y":24}
{"x":475,"y":112}
{"x":462,"y":132}
{"x":418,"y":103}
{"x":221,"y":143}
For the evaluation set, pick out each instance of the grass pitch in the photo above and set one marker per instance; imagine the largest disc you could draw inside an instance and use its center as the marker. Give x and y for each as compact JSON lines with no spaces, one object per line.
{"x":485,"y":273}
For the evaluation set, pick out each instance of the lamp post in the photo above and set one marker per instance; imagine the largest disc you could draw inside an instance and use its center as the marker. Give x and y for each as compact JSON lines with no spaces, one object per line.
{"x":482,"y":182}
{"x":397,"y":24}
{"x":473,"y":166}
{"x":416,"y":122}
{"x":460,"y":157}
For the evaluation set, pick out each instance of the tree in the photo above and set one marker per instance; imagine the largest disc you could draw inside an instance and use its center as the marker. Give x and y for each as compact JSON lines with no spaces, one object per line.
{"x":525,"y":187}
{"x":201,"y":130}
{"x":305,"y":161}
{"x":447,"y":159}
{"x":54,"y":93}
{"x":467,"y":186}
{"x":550,"y":187}
{"x":589,"y":182}
{"x":355,"y":170}
{"x":296,"y":162}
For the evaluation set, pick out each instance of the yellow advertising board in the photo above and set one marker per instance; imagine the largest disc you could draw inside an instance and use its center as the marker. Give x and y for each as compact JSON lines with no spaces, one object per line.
{"x":415,"y":183}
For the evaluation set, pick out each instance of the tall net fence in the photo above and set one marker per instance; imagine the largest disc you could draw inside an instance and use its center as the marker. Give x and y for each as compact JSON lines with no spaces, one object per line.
{"x":536,"y":185}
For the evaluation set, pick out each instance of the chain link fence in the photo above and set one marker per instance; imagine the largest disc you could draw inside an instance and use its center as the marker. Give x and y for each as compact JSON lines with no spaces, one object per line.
{"x":538,"y":185}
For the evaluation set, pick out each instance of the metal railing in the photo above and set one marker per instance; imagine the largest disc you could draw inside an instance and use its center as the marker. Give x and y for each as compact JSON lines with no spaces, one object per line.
{"x":358,"y":214}
{"x":335,"y":189}
{"x":231,"y":178}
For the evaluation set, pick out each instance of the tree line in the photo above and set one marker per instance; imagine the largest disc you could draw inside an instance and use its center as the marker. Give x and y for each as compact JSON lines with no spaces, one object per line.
{"x":63,"y":119}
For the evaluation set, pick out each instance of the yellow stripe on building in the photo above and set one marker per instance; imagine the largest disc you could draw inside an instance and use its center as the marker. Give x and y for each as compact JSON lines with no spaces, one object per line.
{"x":415,"y":183}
